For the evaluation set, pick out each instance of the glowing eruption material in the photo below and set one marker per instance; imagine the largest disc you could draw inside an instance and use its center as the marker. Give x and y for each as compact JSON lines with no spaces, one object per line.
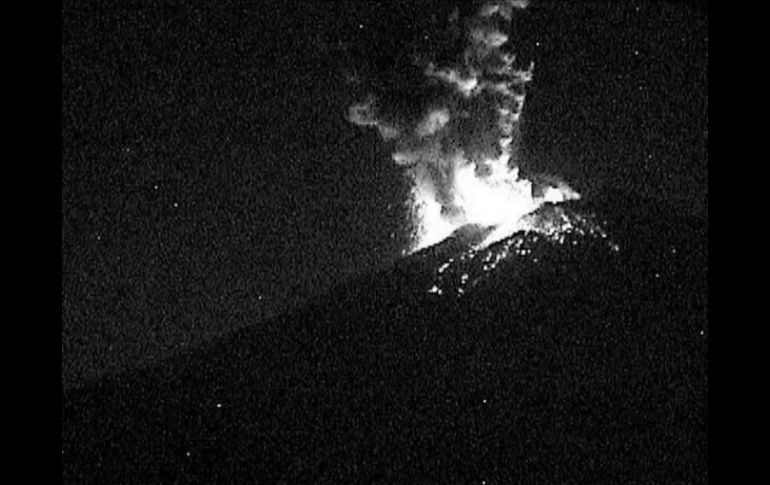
{"x":460,"y":150}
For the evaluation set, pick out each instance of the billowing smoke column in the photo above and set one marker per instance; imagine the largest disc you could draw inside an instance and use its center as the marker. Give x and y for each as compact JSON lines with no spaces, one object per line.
{"x":460,"y":147}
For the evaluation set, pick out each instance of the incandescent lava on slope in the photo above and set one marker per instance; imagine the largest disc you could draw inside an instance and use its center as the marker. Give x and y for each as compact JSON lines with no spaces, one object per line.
{"x":462,"y":263}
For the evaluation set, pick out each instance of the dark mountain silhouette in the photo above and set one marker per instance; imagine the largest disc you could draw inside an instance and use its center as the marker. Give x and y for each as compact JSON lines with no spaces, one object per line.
{"x":578,"y":359}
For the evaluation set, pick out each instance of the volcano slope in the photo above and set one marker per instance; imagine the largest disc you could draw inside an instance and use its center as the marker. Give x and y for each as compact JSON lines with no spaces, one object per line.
{"x":580,"y":359}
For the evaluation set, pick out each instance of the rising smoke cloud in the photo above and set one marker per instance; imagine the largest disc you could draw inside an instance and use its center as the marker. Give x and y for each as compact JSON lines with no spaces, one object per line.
{"x":460,"y":147}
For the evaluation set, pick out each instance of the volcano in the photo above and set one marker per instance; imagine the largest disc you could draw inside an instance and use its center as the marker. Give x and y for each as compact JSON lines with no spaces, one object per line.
{"x":575,"y":353}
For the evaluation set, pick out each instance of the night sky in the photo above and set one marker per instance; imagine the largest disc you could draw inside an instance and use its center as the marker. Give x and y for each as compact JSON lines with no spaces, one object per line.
{"x":210,"y":179}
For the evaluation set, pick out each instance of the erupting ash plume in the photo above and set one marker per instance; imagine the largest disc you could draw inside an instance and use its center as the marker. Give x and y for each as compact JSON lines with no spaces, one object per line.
{"x":460,"y":145}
